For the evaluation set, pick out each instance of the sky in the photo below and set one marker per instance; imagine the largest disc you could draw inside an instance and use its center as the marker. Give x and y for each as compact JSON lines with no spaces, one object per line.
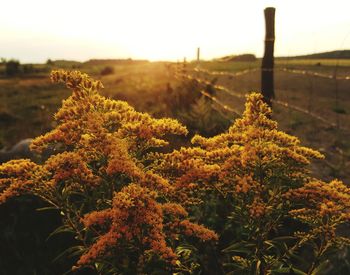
{"x":35,"y":30}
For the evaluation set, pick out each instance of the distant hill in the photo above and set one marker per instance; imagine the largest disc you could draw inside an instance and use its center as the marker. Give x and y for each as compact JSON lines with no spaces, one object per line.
{"x":114,"y":61}
{"x":63,"y":62}
{"x":344,"y":54}
{"x":242,"y":57}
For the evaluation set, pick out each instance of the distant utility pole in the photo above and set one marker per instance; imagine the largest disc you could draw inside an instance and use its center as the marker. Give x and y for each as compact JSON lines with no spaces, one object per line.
{"x":184,"y":66}
{"x":198,"y":55}
{"x":267,"y":87}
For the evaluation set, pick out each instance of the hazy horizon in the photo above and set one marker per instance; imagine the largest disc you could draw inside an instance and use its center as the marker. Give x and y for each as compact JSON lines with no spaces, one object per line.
{"x":157,"y":30}
{"x":145,"y":59}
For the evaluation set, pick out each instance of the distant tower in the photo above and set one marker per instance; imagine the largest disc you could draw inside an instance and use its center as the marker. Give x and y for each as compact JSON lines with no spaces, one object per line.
{"x":198,"y":55}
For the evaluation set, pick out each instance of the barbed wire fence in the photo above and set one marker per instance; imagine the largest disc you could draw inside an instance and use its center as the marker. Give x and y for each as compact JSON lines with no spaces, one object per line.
{"x":315,"y":104}
{"x":314,"y":92}
{"x":193,"y":74}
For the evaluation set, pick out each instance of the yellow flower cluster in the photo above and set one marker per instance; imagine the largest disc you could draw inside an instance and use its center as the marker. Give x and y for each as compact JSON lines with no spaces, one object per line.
{"x":320,"y":200}
{"x":69,"y":166}
{"x":17,"y":177}
{"x":257,"y":209}
{"x":88,"y":113}
{"x":76,"y":80}
{"x":136,"y":214}
{"x":252,"y":146}
{"x":323,"y":206}
{"x":193,"y":229}
{"x":99,"y":145}
{"x":245,"y":184}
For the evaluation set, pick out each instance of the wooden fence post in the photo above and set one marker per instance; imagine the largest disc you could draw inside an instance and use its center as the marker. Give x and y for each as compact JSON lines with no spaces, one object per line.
{"x":267,"y":87}
{"x":184,"y":68}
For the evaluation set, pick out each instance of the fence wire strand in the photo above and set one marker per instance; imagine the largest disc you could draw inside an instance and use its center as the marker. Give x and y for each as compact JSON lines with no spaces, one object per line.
{"x":309,"y":73}
{"x":293,"y":71}
{"x":240,"y":95}
{"x":206,"y":94}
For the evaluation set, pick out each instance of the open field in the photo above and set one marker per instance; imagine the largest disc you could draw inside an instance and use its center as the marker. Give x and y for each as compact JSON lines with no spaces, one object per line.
{"x":28,"y":103}
{"x":330,"y":66}
{"x":313,"y":62}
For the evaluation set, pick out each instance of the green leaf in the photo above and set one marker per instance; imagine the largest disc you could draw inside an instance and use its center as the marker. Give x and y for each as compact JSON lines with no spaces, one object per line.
{"x":278,"y":244}
{"x":184,"y":247}
{"x":288,"y":270}
{"x":234,"y":266}
{"x":321,"y":268}
{"x":61,"y":229}
{"x":241,"y":247}
{"x":47,"y":208}
{"x":283,"y":238}
{"x":70,"y":252}
{"x":296,"y":257}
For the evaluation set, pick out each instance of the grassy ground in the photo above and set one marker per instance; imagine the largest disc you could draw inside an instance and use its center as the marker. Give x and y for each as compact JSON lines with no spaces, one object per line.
{"x":28,"y":102}
{"x":26,"y":107}
{"x":227,"y":66}
{"x":327,"y":66}
{"x":314,"y":62}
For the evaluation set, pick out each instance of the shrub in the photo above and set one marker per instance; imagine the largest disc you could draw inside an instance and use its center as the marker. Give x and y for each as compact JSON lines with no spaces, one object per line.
{"x":12,"y":68}
{"x":339,"y":110}
{"x":242,"y":201}
{"x":103,"y":183}
{"x":190,"y":107}
{"x":28,"y":69}
{"x":252,"y":186}
{"x":49,"y":62}
{"x":107,"y":70}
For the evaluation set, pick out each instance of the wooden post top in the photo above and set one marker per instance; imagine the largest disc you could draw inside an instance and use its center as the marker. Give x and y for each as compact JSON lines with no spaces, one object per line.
{"x":270,"y":23}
